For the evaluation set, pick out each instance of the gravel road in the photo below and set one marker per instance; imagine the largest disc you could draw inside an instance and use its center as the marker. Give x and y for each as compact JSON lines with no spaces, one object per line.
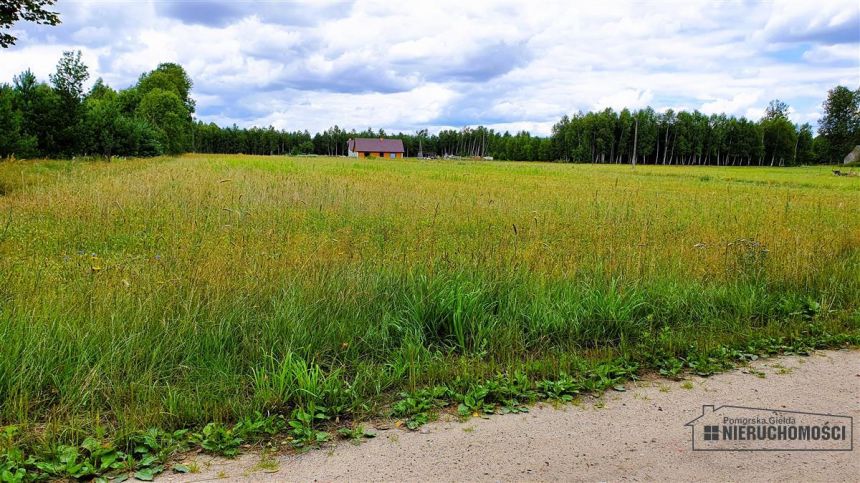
{"x":638,"y":434}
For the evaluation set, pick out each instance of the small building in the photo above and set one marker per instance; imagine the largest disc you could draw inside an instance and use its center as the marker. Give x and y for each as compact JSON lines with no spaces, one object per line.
{"x":381,"y":148}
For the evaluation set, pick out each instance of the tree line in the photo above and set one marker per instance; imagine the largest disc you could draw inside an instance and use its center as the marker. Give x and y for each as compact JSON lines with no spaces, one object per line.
{"x":467,"y":142}
{"x":693,"y":138}
{"x":61,"y":119}
{"x":155,"y":116}
{"x":685,"y":138}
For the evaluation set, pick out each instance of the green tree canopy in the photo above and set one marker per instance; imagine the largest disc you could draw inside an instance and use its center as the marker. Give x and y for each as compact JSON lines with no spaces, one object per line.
{"x":840,"y":125}
{"x":11,"y":11}
{"x":778,"y":135}
{"x":70,"y":75}
{"x":165,"y":111}
{"x":169,"y":77}
{"x":776,"y":109}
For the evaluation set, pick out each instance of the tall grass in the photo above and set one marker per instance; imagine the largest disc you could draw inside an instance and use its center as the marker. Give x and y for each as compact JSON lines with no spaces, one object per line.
{"x":176,"y":292}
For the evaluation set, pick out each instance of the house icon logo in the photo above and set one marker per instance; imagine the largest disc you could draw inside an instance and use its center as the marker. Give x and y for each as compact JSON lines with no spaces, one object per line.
{"x":739,"y":428}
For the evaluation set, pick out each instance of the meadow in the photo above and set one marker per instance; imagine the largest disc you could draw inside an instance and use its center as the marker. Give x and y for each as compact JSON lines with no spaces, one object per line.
{"x":174,"y":292}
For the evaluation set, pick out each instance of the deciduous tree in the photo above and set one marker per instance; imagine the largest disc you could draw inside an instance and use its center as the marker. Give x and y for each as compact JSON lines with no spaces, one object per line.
{"x":840,"y":124}
{"x":12,"y":11}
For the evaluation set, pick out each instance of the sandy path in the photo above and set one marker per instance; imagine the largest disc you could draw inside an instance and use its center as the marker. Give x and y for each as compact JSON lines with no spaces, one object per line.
{"x":637,"y":435}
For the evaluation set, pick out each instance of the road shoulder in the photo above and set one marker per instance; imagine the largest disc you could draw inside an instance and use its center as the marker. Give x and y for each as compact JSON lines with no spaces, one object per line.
{"x":638,"y":434}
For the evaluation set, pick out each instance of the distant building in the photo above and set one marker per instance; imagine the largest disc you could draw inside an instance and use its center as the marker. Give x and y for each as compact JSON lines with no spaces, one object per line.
{"x":381,"y":148}
{"x":853,"y":156}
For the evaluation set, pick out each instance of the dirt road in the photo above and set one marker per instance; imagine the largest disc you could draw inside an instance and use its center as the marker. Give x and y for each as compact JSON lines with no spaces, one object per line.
{"x":636,"y":435}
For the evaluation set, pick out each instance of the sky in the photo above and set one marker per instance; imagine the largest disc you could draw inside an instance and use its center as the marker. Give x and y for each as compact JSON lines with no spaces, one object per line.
{"x":409,"y":65}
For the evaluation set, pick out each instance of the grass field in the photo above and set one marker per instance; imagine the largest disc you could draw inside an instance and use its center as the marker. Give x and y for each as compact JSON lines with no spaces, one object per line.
{"x":178,"y":291}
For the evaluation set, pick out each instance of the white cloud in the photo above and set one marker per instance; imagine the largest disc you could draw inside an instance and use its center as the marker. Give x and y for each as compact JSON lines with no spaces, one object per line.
{"x":630,"y":98}
{"x":742,"y":102}
{"x":824,"y":54}
{"x":310,"y":110}
{"x":832,"y":20}
{"x":449,"y":63}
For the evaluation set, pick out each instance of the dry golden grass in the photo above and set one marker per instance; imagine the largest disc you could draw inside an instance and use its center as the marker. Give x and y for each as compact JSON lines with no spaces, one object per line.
{"x":227,"y":219}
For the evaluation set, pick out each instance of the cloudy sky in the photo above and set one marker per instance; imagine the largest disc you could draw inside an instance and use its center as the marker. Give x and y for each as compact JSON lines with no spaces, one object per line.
{"x":507,"y":64}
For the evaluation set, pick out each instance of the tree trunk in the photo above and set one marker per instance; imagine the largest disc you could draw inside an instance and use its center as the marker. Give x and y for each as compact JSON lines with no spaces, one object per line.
{"x":795,"y":149}
{"x":635,"y":140}
{"x":674,"y":139}
{"x":666,"y":144}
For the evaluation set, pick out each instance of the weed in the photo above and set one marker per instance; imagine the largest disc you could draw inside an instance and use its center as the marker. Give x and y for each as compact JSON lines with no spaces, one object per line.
{"x":416,"y":406}
{"x":217,"y":439}
{"x":609,"y":374}
{"x":267,"y":463}
{"x":782,"y":370}
{"x":565,"y":388}
{"x":670,"y":367}
{"x":303,"y":422}
{"x":473,"y":402}
{"x":356,"y":434}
